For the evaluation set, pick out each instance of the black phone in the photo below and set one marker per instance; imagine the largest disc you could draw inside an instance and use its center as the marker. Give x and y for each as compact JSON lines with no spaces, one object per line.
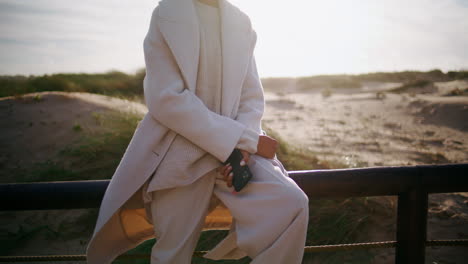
{"x":242,"y":174}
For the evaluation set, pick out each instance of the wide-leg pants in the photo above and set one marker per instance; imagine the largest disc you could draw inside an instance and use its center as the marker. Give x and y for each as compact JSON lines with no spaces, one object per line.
{"x":270,"y":215}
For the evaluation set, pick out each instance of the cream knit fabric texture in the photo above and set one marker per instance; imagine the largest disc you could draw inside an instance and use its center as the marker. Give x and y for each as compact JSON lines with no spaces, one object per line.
{"x":185,"y":160}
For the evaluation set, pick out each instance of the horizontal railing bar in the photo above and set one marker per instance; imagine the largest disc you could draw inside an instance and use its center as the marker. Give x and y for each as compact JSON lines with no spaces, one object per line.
{"x":308,"y":249}
{"x":52,"y":195}
{"x":341,"y":183}
{"x":344,"y":183}
{"x":445,"y":178}
{"x":382,"y":181}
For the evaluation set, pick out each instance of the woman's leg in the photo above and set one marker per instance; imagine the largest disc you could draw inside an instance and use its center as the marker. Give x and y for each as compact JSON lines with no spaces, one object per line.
{"x":178,"y":215}
{"x":271,"y":213}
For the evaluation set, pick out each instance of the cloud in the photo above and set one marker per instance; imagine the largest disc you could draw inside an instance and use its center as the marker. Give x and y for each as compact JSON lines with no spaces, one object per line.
{"x":338,"y":36}
{"x":45,"y":36}
{"x":295,"y":37}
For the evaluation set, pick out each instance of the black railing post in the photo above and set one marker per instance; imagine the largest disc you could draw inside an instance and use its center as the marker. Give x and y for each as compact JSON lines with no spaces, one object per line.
{"x":411,"y":227}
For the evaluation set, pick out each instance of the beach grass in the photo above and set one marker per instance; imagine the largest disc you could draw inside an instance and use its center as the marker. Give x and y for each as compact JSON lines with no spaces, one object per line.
{"x":130,"y":86}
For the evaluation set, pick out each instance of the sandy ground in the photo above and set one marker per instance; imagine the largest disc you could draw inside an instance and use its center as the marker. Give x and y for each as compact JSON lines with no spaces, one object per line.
{"x":368,"y":127}
{"x":349,"y":128}
{"x":359,"y":129}
{"x":34,"y":128}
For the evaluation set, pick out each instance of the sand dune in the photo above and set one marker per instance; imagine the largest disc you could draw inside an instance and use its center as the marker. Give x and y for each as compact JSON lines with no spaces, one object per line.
{"x":374,"y":128}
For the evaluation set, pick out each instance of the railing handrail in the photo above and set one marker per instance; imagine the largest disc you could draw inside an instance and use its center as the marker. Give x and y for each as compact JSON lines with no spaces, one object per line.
{"x":337,"y":183}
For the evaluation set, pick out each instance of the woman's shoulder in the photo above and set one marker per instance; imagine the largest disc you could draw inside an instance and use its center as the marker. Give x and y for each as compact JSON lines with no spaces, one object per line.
{"x":242,"y":15}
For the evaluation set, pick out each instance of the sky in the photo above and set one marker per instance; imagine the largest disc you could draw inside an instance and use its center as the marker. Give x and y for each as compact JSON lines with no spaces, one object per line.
{"x":295,"y":37}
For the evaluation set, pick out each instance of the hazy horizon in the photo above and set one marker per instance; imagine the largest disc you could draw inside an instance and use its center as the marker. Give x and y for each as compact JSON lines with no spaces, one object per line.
{"x":295,"y":38}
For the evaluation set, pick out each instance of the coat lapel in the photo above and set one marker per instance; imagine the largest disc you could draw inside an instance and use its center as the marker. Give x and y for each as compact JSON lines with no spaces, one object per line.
{"x":179,"y":26}
{"x":235,"y":37}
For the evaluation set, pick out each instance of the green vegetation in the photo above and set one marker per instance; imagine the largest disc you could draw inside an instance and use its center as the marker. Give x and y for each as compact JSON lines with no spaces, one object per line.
{"x":129,"y":86}
{"x":37,"y":98}
{"x":48,"y":171}
{"x":412,"y":84}
{"x":295,"y":158}
{"x":328,"y":81}
{"x":408,"y":76}
{"x":112,"y":83}
{"x":77,"y":127}
{"x":355,"y":81}
{"x":53,"y":226}
{"x":457,"y":92}
{"x":19,"y":237}
{"x":95,"y":155}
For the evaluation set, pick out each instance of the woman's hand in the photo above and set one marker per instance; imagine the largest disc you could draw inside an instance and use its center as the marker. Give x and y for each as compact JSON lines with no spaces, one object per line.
{"x":226,"y":169}
{"x":267,"y":147}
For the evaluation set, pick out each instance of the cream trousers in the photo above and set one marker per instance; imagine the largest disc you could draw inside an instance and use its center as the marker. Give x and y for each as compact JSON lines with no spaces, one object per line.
{"x":270,"y":216}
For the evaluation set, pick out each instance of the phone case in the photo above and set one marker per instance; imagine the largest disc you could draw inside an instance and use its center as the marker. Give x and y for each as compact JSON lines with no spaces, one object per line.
{"x":242,"y":174}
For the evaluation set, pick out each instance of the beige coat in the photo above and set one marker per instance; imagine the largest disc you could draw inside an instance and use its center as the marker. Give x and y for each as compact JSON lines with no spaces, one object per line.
{"x":171,"y":49}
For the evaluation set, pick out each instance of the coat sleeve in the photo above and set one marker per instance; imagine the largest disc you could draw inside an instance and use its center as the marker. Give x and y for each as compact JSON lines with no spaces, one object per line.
{"x":171,"y":103}
{"x":251,"y":105}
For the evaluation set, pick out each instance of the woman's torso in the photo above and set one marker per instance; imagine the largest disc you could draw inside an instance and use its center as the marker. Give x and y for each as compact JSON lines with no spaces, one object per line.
{"x":185,"y":161}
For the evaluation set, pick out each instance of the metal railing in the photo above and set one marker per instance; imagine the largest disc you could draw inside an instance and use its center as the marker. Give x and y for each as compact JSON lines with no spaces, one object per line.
{"x":411,"y":184}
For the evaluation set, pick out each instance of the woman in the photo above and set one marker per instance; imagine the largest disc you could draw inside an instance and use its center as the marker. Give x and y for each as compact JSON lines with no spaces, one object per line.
{"x":205,"y":99}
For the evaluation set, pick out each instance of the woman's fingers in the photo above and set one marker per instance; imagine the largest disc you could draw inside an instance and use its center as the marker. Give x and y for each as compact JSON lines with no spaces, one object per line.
{"x":226,"y":172}
{"x":228,"y":176}
{"x":229,"y":181}
{"x":223,"y":169}
{"x":246,"y":157}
